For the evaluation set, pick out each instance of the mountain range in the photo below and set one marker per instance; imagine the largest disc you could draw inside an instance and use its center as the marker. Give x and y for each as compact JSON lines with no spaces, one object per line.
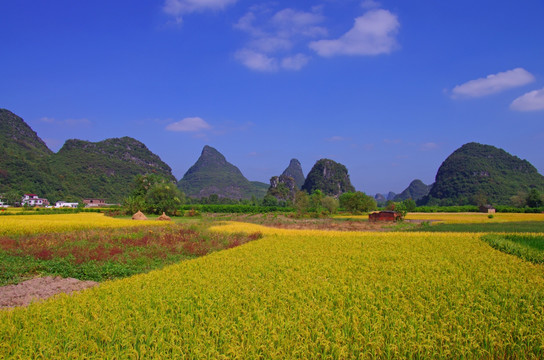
{"x":106,"y":169}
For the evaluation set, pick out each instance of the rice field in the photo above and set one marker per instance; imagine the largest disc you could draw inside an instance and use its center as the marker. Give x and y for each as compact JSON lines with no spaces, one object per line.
{"x":474,"y":218}
{"x":463,"y":218}
{"x":39,"y":224}
{"x":302,"y":294}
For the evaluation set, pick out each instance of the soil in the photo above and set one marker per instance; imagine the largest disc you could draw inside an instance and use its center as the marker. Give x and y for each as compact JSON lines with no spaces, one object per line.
{"x":40,"y":288}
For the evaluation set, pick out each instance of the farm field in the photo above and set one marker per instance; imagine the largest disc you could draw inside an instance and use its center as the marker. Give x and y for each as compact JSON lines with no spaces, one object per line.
{"x":91,"y":246}
{"x":302,"y":294}
{"x":463,"y":218}
{"x":474,"y":218}
{"x":39,"y":224}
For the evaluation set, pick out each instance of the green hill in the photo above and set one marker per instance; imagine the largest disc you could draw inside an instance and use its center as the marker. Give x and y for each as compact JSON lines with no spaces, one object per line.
{"x":105,"y":169}
{"x":476,"y":170}
{"x":415,"y":191}
{"x":80,"y":169}
{"x":328,"y":176}
{"x":213,"y":174}
{"x":24,"y":159}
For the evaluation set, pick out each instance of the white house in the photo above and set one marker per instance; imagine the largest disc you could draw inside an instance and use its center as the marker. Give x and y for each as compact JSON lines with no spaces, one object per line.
{"x":62,"y":204}
{"x":2,"y":203}
{"x":33,"y":200}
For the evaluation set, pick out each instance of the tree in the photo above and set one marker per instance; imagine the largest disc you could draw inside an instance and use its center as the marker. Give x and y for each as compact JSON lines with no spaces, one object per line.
{"x":315,"y":200}
{"x":163,"y":197}
{"x":330,"y":204}
{"x":409,"y":204}
{"x":479,"y":199}
{"x":142,"y":183}
{"x":390,"y":205}
{"x":302,"y":202}
{"x":12,"y":198}
{"x":357,"y":202}
{"x":534,"y":199}
{"x":519,"y":200}
{"x":154,"y":194}
{"x":270,"y":200}
{"x":401,"y":209}
{"x":133,"y":204}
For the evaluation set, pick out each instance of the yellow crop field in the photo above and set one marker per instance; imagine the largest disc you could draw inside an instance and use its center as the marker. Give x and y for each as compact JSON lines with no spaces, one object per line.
{"x":472,"y":218}
{"x":35,"y":224}
{"x":298,"y":295}
{"x":465,"y":218}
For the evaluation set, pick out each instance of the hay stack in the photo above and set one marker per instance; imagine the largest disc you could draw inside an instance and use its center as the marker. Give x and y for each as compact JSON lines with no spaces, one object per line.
{"x":139,"y":216}
{"x":164,"y":217}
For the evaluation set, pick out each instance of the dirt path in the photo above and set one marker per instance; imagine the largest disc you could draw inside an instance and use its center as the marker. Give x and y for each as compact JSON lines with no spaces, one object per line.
{"x":24,"y":293}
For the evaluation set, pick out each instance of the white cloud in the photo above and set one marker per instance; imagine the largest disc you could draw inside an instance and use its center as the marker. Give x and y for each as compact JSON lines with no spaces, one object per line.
{"x":531,"y":101}
{"x":270,"y":44}
{"x":191,"y":124}
{"x":290,"y":22}
{"x":372,"y":34}
{"x":177,"y":8}
{"x":295,"y":62}
{"x":493,"y":83}
{"x":256,"y":60}
{"x":274,"y":35}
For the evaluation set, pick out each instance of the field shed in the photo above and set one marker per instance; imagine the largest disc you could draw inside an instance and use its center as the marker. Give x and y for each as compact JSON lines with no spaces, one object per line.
{"x":487,"y":209}
{"x":384,"y":216}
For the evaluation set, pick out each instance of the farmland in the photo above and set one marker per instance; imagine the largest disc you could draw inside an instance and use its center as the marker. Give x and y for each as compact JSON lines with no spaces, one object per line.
{"x":303,"y":294}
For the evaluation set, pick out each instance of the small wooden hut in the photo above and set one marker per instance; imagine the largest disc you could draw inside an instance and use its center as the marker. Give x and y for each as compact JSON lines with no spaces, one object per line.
{"x":384,"y":216}
{"x":487,"y":209}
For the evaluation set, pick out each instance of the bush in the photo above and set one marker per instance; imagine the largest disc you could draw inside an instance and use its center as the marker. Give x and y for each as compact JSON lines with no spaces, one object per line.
{"x":357,"y":202}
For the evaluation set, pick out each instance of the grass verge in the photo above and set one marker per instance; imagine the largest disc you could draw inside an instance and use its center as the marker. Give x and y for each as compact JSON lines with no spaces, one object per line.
{"x":527,"y":247}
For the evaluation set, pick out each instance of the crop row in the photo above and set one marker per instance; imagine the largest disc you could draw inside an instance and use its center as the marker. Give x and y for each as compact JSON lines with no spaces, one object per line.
{"x":302,"y":294}
{"x":101,"y":254}
{"x":34,"y":224}
{"x":464,"y":218}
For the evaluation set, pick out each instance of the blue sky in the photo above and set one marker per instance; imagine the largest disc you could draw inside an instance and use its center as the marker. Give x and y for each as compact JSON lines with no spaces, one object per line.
{"x":387,"y":88}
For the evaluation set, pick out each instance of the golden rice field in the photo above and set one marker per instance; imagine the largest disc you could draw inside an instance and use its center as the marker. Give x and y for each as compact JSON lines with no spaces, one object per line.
{"x":474,"y":218}
{"x":298,"y":295}
{"x":465,"y":218}
{"x":34,"y":224}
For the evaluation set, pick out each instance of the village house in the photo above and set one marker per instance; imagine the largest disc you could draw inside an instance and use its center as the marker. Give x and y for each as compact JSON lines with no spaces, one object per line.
{"x":487,"y":209}
{"x":2,"y":204}
{"x":34,"y":200}
{"x":63,"y":204}
{"x":94,"y":202}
